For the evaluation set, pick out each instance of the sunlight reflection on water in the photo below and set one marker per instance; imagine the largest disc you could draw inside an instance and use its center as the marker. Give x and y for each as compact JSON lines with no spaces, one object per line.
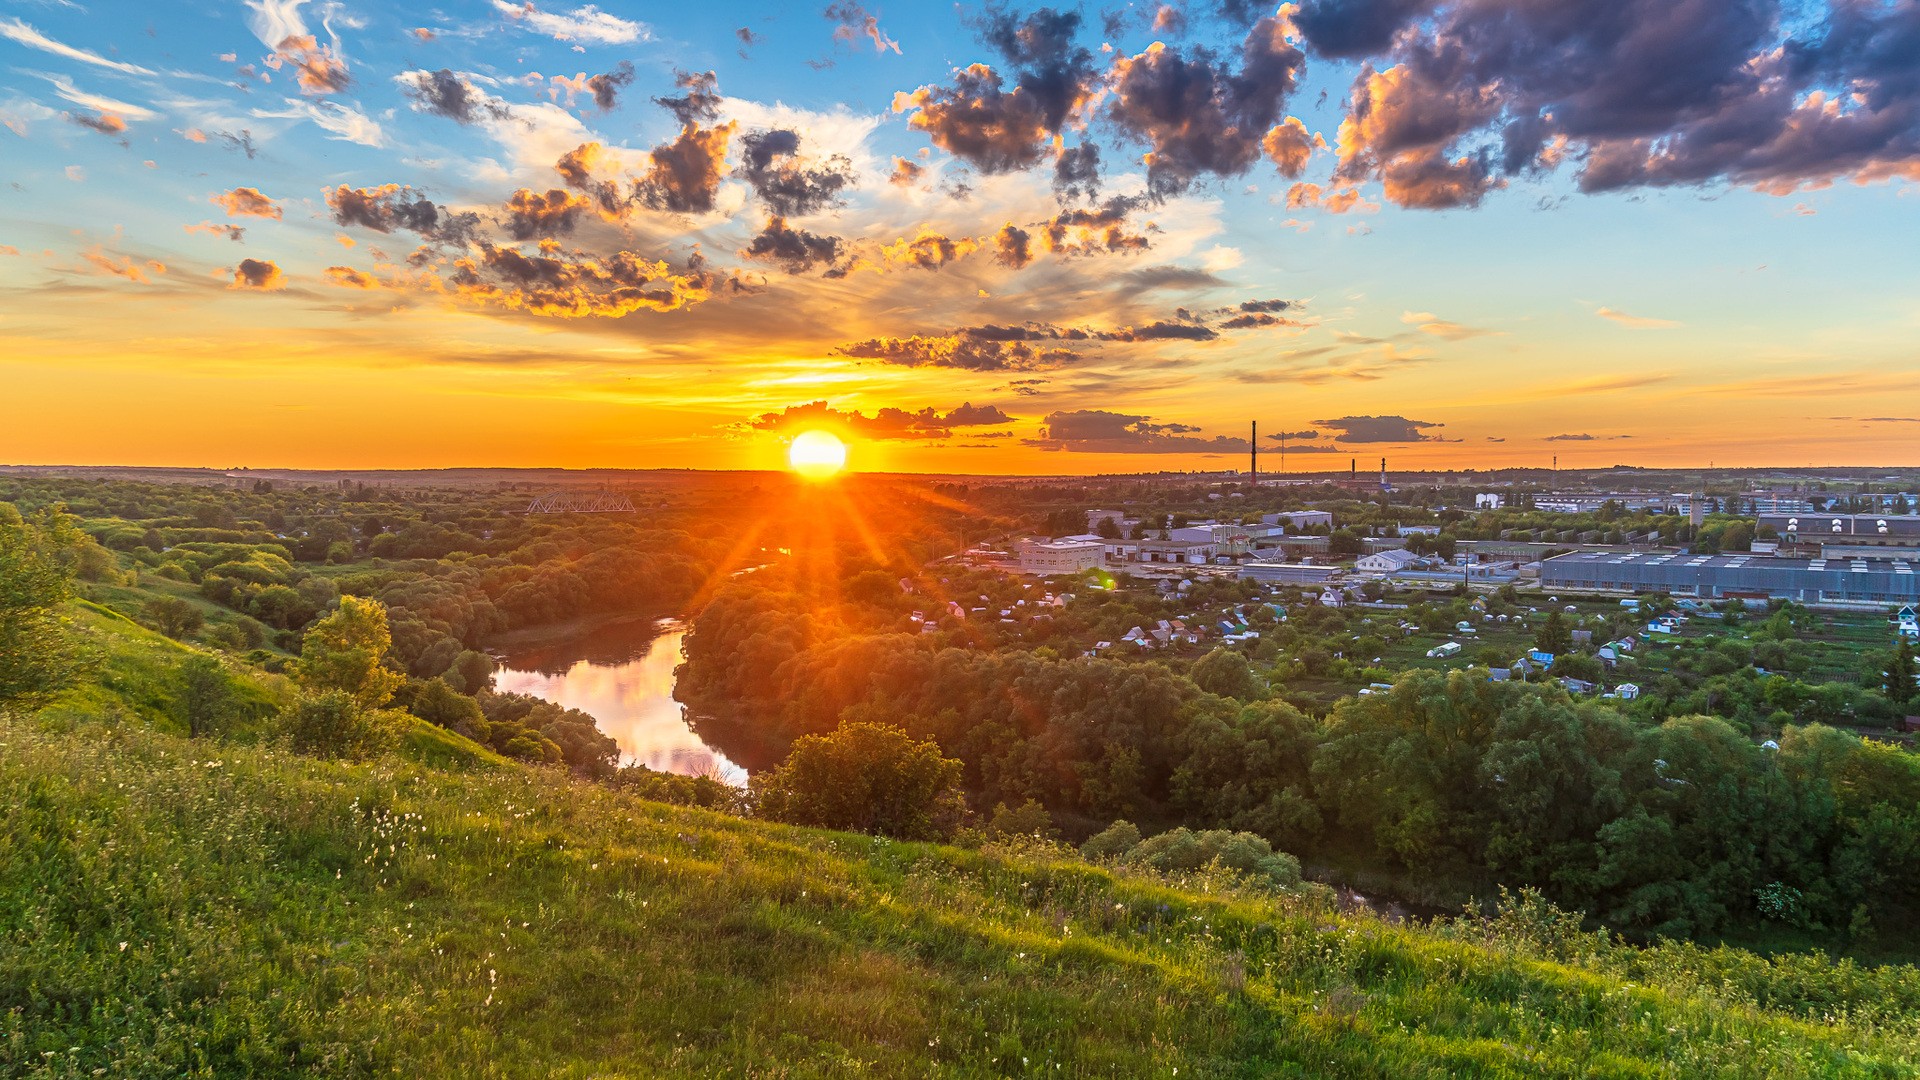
{"x":622,"y":675}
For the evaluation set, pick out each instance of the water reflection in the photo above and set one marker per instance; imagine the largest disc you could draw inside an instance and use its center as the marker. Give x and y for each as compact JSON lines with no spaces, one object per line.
{"x":622,"y":674}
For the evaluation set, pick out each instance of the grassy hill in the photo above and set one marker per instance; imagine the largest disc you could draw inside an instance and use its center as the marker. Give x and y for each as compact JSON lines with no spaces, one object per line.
{"x":173,"y":908}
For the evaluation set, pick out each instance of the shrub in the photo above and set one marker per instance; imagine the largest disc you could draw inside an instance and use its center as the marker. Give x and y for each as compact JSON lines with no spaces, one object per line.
{"x":868,"y":778}
{"x":332,"y":725}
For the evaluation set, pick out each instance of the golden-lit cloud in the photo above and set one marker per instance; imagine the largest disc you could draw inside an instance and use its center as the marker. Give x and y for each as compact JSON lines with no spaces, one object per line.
{"x":247,"y":202}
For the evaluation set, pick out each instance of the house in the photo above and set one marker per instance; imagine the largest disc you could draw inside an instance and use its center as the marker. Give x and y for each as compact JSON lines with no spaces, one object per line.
{"x":1576,"y":686}
{"x":1583,"y":637}
{"x":1183,"y":552}
{"x":1627,"y":691}
{"x":1332,"y":598}
{"x":1541,"y":657}
{"x":1391,"y":561}
{"x":1451,"y":648}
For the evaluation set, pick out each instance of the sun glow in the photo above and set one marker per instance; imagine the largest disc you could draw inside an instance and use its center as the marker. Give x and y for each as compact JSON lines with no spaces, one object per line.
{"x":817,"y":455}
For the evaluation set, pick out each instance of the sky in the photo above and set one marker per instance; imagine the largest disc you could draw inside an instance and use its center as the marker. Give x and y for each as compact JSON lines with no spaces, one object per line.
{"x":970,"y":238}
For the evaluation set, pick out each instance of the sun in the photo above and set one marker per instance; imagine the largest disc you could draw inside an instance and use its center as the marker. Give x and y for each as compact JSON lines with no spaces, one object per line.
{"x":817,"y":455}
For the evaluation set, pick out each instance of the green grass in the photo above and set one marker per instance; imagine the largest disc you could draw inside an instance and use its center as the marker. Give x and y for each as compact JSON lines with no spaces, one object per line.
{"x":179,"y":908}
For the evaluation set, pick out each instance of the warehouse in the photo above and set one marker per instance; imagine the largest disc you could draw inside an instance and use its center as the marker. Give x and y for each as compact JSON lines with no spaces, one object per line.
{"x":1807,"y":581}
{"x":1865,"y":529}
{"x":1288,"y":573}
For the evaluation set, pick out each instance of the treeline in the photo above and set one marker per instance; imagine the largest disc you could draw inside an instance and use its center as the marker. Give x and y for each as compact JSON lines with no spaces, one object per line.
{"x":1675,"y":828}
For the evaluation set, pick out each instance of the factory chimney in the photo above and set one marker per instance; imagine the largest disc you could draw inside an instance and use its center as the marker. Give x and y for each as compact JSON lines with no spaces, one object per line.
{"x":1253,"y":455}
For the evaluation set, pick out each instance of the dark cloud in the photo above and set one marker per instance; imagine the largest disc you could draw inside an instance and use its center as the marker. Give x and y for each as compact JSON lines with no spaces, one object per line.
{"x":605,"y":285}
{"x":606,"y":87}
{"x":1380,"y":429}
{"x":1013,"y":247}
{"x":1094,"y":230}
{"x":955,"y":351}
{"x":391,"y":206}
{"x":856,"y":22}
{"x":242,"y":142}
{"x":1173,"y":277}
{"x":887,"y":422}
{"x":1583,"y":437}
{"x":257,"y":274}
{"x":996,"y":129}
{"x":1076,"y":172}
{"x":796,"y":249}
{"x":747,"y":37}
{"x":1096,"y":431}
{"x":1160,"y":331}
{"x":700,"y":103}
{"x":1248,"y":322}
{"x":1641,"y":93}
{"x":1265,"y":305}
{"x":1349,"y":29}
{"x":444,"y":93}
{"x":769,"y":161}
{"x":1168,"y":19}
{"x":530,"y":214}
{"x":1294,"y":436}
{"x":579,"y":167}
{"x":685,"y":175}
{"x":1197,"y":113}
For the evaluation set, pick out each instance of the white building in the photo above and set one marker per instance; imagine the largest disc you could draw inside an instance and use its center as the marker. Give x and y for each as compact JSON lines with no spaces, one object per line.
{"x":1289,"y":573}
{"x":1299,"y":519}
{"x":1391,"y":561}
{"x":1060,"y":557}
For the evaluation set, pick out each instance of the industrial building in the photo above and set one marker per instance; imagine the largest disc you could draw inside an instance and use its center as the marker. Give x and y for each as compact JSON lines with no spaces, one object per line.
{"x":1288,"y":573}
{"x":1060,"y":557}
{"x":1808,"y":581}
{"x":1850,"y":529}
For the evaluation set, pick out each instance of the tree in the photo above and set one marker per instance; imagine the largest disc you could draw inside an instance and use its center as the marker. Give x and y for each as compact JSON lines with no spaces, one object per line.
{"x":1227,"y":673}
{"x":1900,"y":675}
{"x":38,"y":655}
{"x":175,"y":617}
{"x":866,"y":777}
{"x":344,"y":652}
{"x":206,"y":695}
{"x":1108,"y":529}
{"x":1554,"y":635}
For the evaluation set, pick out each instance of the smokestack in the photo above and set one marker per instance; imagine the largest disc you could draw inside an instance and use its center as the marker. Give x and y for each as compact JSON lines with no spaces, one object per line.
{"x":1383,"y":473}
{"x":1253,"y":455}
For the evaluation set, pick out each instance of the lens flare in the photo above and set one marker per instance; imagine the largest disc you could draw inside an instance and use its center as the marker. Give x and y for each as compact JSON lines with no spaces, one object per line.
{"x":817,"y":455}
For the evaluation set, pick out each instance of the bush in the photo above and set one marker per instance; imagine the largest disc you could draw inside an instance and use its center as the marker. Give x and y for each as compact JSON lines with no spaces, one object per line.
{"x":868,"y":778}
{"x":701,"y":791}
{"x":1116,"y":840}
{"x":332,"y":725}
{"x":1183,"y":850}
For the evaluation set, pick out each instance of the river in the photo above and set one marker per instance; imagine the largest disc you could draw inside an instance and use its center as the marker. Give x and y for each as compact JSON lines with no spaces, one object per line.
{"x":621,"y":674}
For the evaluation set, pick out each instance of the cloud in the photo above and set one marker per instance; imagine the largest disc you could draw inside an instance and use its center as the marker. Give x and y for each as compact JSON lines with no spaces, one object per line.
{"x":261,"y":274}
{"x":105,"y":123}
{"x":929,"y":250}
{"x":959,"y":352}
{"x":445,"y":93}
{"x":610,"y":285}
{"x":234,"y":233}
{"x":1013,"y":247}
{"x":855,"y":23}
{"x":606,"y":86}
{"x":530,"y":214}
{"x":685,"y":173}
{"x":1435,"y":326}
{"x":391,"y":206}
{"x":796,"y":249}
{"x":770,"y":163}
{"x":1635,"y":322}
{"x":1093,"y":230}
{"x":1380,"y":429}
{"x":1462,"y":96}
{"x":1097,"y":431}
{"x":125,"y":109}
{"x":246,"y":202}
{"x":999,"y":130}
{"x":1289,"y":147}
{"x":1294,"y":436}
{"x":906,"y":173}
{"x":1864,"y":419}
{"x":17,"y":31}
{"x":123,"y":266}
{"x":317,"y":68}
{"x":348,"y":278}
{"x":339,"y":121}
{"x":1199,"y":115}
{"x":885,"y":423}
{"x":588,"y":25}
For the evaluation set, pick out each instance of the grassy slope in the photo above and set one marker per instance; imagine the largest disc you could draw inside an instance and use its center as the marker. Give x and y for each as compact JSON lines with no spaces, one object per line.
{"x":174,"y":908}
